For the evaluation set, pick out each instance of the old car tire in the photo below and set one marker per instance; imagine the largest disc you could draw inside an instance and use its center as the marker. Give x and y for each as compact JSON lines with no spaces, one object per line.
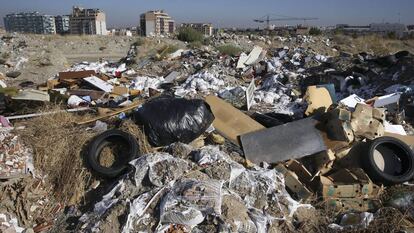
{"x":388,"y":161}
{"x":101,"y":141}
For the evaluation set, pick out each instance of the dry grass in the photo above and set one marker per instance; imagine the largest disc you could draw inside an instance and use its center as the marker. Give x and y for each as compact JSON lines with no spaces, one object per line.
{"x":373,"y":44}
{"x":57,"y":145}
{"x":130,"y":127}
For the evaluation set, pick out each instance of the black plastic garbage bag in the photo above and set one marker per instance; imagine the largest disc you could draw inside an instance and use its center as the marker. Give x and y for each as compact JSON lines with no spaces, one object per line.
{"x":167,"y":120}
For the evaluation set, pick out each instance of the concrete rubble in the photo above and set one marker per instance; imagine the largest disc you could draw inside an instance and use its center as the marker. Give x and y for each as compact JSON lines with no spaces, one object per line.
{"x":302,"y":140}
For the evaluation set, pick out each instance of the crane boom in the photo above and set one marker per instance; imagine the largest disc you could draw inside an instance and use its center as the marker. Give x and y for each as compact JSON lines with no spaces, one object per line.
{"x":268,"y":19}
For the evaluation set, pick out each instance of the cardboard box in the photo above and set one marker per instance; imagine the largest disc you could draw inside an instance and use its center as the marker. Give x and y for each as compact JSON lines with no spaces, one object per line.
{"x":347,"y":183}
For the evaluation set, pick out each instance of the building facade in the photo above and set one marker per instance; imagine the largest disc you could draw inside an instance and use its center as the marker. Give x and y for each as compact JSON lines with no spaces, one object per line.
{"x":87,"y":21}
{"x":62,"y":24}
{"x":32,"y":22}
{"x":156,"y":23}
{"x":205,"y":28}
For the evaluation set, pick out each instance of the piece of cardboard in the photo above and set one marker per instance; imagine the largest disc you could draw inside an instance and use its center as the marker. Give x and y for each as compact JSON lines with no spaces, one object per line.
{"x":52,"y":83}
{"x":299,"y":170}
{"x":348,"y":184}
{"x":409,"y":140}
{"x":120,"y":90}
{"x":318,"y":99}
{"x":293,"y":183}
{"x":229,"y":121}
{"x":76,"y":74}
{"x":319,"y":163}
{"x":353,"y":204}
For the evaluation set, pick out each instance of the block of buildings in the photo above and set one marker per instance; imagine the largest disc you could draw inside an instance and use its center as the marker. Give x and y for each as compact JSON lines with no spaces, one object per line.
{"x":156,"y":23}
{"x":32,"y":22}
{"x":87,"y":21}
{"x":205,"y":28}
{"x":62,"y":24}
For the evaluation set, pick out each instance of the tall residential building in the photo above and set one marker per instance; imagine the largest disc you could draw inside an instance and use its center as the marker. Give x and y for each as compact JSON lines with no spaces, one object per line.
{"x":205,"y":28}
{"x":62,"y":24}
{"x":87,"y":21}
{"x":155,"y":23}
{"x":32,"y":22}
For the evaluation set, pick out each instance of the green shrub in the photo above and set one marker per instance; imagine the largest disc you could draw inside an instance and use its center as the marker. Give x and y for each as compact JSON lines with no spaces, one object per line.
{"x":392,"y":35}
{"x":140,"y":41}
{"x":195,"y":45}
{"x":314,"y":31}
{"x":188,"y":34}
{"x":229,"y":49}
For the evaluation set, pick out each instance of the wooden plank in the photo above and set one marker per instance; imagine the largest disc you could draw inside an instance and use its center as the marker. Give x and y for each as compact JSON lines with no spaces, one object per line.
{"x":229,"y":121}
{"x":76,"y":74}
{"x":127,"y":108}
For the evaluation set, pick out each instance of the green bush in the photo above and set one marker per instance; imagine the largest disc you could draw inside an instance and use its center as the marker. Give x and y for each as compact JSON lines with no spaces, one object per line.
{"x":229,"y":49}
{"x":314,"y":31}
{"x":195,"y":45}
{"x":140,"y":41}
{"x":392,"y":35}
{"x":188,"y":34}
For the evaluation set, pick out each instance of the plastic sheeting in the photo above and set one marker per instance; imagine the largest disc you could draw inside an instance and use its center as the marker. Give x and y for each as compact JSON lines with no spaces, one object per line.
{"x":189,"y":201}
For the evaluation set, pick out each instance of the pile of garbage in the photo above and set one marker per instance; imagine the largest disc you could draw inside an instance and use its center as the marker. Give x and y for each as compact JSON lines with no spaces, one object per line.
{"x":270,"y":140}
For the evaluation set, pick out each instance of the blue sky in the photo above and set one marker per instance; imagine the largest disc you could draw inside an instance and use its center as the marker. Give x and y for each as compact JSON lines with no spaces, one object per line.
{"x":230,"y":13}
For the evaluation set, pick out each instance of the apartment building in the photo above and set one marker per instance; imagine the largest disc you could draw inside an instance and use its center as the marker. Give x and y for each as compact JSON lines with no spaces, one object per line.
{"x":62,"y":24}
{"x":155,"y":23}
{"x":205,"y":28}
{"x":30,"y":22}
{"x":87,"y":21}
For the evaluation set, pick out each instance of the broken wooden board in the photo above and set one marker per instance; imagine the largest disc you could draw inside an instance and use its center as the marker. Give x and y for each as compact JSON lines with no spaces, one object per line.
{"x":293,"y":183}
{"x":280,"y":143}
{"x":229,"y":121}
{"x":109,"y":114}
{"x":76,"y":74}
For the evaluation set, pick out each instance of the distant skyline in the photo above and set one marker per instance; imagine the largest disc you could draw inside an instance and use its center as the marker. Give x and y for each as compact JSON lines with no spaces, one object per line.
{"x":229,"y":13}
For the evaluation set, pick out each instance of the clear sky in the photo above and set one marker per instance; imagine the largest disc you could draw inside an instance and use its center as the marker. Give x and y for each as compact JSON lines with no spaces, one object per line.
{"x":230,"y":13}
